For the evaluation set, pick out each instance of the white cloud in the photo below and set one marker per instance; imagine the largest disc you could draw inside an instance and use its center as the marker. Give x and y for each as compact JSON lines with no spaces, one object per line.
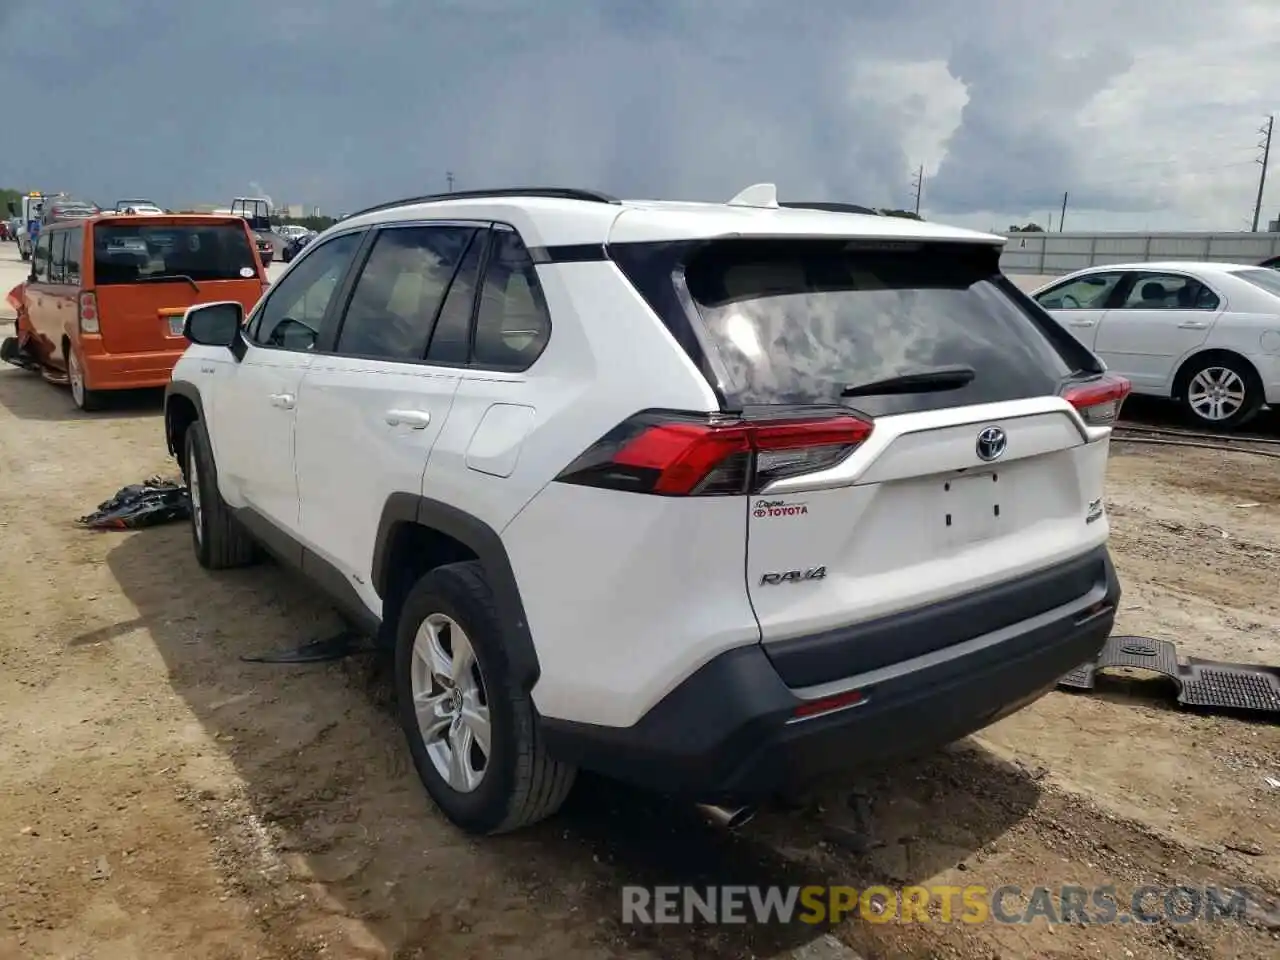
{"x":1145,"y":111}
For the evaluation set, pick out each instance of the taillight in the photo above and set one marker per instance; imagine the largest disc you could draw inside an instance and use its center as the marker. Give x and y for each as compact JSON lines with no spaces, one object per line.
{"x":688,"y":455}
{"x":88,"y":312}
{"x":1099,"y":401}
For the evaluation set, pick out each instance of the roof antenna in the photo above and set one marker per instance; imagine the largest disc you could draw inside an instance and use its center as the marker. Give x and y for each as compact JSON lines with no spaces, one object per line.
{"x":757,"y":195}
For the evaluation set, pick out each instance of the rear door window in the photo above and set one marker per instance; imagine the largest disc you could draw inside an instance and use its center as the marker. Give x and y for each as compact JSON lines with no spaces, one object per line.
{"x":798,"y":322}
{"x":126,"y":253}
{"x":400,"y":290}
{"x":1169,"y":291}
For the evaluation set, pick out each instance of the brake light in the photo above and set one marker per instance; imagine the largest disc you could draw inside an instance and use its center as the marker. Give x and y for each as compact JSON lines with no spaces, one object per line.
{"x":680,"y":455}
{"x":88,"y":312}
{"x":1099,"y":401}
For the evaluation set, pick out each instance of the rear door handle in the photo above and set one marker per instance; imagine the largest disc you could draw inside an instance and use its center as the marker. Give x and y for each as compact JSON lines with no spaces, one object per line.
{"x":284,"y":401}
{"x":1192,"y":325}
{"x":413,"y":419}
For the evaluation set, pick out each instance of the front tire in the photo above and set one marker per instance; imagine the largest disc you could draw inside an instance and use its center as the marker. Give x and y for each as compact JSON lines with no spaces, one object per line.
{"x":219,"y":540}
{"x":471,"y":730}
{"x":1221,"y":393}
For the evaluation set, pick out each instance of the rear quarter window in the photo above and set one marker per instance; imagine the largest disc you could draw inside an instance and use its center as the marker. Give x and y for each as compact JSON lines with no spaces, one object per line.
{"x":796,"y":322}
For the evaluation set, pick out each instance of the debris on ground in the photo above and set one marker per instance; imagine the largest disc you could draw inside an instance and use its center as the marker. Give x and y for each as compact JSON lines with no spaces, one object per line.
{"x":147,"y":504}
{"x":347,"y":643}
{"x":1202,"y":684}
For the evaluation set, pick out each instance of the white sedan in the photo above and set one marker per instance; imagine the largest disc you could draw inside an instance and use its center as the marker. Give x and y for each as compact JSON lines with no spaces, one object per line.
{"x":1204,"y":334}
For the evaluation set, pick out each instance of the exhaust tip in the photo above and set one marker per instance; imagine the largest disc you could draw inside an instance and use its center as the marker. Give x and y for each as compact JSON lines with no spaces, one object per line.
{"x":727,"y":818}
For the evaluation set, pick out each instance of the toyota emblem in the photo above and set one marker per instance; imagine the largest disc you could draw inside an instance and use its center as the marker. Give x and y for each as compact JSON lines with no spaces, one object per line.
{"x":992,"y":443}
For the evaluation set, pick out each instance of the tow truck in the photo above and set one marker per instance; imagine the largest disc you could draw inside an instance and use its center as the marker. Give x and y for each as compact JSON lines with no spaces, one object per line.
{"x":30,"y":212}
{"x":257,"y":211}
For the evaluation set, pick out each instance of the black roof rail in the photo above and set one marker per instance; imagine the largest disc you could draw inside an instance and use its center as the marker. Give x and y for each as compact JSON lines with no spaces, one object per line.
{"x":829,"y":206}
{"x":551,"y":193}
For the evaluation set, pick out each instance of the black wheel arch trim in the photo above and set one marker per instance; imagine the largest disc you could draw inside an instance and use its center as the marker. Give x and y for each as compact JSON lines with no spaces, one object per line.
{"x":189,"y":392}
{"x":486,"y":544}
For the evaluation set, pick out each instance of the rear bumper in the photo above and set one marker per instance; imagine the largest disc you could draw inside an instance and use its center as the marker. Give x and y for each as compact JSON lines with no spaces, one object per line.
{"x":727,"y":733}
{"x":130,"y":371}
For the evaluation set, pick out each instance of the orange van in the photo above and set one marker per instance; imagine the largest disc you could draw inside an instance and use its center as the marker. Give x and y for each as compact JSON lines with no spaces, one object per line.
{"x":102,"y":309}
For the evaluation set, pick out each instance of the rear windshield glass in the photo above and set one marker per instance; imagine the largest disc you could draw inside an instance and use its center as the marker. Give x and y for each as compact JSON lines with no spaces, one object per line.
{"x":1268,"y":280}
{"x":127,"y":253}
{"x":798,"y":322}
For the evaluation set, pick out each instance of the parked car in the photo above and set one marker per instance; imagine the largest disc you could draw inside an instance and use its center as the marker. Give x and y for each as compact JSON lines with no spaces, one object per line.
{"x":102,"y":309}
{"x":57,"y":209}
{"x":138,"y":206}
{"x":1273,"y":263}
{"x":714,"y":498}
{"x":1204,"y":334}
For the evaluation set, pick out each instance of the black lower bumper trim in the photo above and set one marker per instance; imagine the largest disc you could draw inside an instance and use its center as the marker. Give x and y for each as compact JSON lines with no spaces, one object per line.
{"x":860,"y":648}
{"x":723,"y":735}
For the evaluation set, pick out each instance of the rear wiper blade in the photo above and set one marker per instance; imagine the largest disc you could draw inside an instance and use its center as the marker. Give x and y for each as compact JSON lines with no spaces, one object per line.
{"x":924,"y":381}
{"x":169,"y":276}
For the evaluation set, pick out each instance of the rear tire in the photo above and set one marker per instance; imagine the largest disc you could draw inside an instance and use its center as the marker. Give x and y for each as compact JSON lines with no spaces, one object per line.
{"x":461,"y":706}
{"x":219,"y":540}
{"x":85,"y":399}
{"x":1221,"y":392}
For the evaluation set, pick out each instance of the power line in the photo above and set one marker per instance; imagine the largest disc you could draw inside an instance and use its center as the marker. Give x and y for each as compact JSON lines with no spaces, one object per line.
{"x":1265,"y":146}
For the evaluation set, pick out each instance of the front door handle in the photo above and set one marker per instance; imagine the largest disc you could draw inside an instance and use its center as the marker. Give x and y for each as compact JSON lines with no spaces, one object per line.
{"x":1192,"y":325}
{"x":413,"y":419}
{"x":1081,"y":323}
{"x":285,"y":401}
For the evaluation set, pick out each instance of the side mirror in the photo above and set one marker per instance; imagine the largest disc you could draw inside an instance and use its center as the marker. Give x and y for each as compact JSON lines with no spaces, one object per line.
{"x":213,"y":324}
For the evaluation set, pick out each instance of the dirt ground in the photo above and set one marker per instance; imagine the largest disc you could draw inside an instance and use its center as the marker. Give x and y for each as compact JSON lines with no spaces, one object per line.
{"x":162,"y":798}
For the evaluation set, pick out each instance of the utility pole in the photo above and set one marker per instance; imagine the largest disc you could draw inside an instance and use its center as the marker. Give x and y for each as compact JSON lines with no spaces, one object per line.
{"x":1062,"y":217}
{"x":917,"y":184}
{"x":1265,"y":147}
{"x":448,"y":178}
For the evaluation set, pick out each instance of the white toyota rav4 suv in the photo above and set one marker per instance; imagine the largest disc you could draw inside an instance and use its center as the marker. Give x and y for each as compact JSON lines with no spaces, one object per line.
{"x":714,"y":498}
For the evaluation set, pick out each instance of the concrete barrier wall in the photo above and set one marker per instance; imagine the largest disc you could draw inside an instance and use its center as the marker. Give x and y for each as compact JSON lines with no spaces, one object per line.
{"x":1059,"y":253}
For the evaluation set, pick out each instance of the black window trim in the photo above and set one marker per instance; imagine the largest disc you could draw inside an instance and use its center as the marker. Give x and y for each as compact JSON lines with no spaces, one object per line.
{"x":1134,"y":277}
{"x":255,"y":316}
{"x":487,"y":231}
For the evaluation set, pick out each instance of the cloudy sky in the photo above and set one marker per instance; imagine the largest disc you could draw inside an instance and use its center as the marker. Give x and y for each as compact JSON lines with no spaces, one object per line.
{"x":1146,"y":112}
